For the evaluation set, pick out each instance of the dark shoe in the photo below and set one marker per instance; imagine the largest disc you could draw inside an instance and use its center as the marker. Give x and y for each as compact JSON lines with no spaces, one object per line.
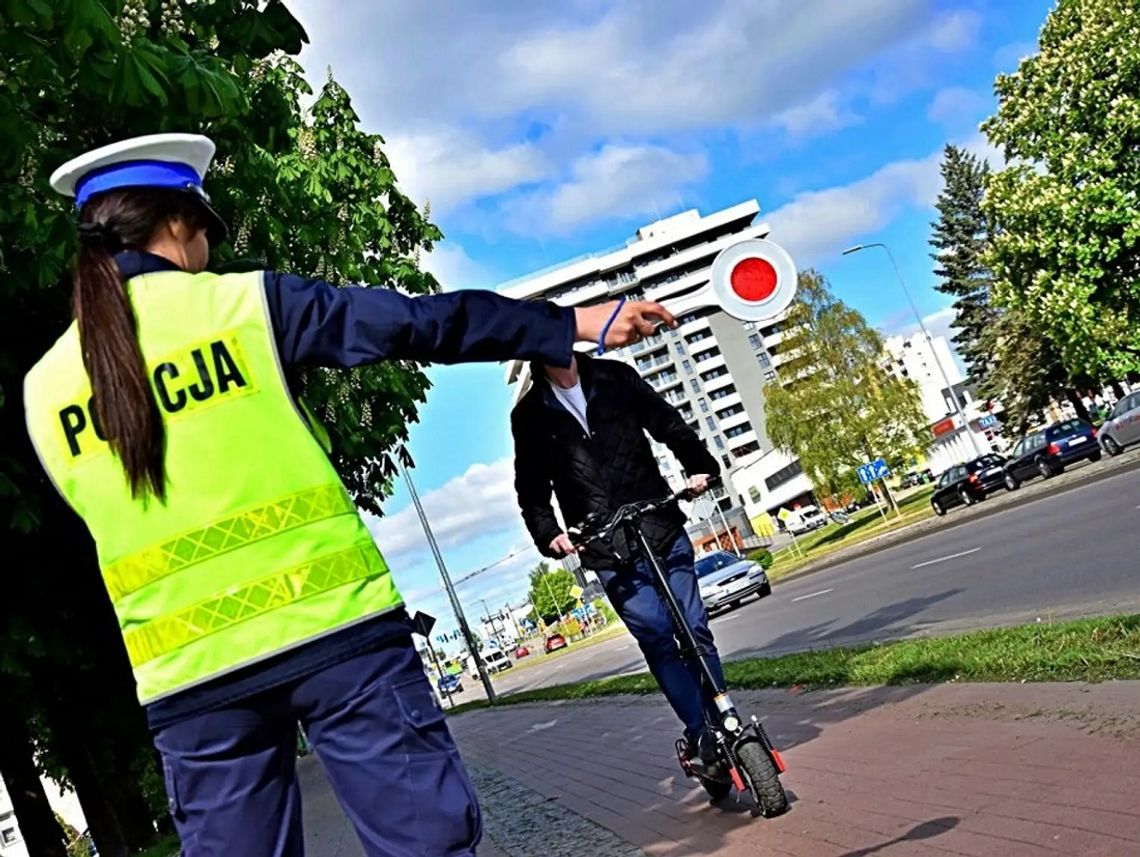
{"x":701,"y":755}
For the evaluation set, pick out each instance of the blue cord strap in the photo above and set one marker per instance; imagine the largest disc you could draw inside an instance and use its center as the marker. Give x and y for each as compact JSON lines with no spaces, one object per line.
{"x":606,"y":328}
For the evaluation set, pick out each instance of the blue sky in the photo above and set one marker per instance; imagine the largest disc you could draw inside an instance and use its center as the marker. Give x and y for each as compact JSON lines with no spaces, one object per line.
{"x":540,"y":131}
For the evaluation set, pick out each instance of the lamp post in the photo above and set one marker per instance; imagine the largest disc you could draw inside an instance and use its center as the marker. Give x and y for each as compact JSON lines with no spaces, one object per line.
{"x":922,"y":326}
{"x":472,"y":646}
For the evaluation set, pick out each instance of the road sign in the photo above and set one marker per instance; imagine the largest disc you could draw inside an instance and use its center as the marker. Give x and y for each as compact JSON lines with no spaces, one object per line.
{"x":751,"y":280}
{"x":873,"y":470}
{"x":987,"y":421}
{"x":576,"y":591}
{"x":784,"y":514}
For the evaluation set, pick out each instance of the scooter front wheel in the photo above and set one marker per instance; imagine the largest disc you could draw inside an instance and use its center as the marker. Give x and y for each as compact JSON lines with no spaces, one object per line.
{"x":762,"y":778}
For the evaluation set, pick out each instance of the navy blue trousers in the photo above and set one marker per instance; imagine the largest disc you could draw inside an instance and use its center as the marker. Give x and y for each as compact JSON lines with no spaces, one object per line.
{"x":636,"y":600}
{"x":380,"y":734}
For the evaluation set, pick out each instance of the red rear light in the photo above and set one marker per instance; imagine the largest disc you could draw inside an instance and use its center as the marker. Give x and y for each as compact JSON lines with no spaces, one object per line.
{"x":973,"y":477}
{"x":1093,"y":430}
{"x":1053,"y":449}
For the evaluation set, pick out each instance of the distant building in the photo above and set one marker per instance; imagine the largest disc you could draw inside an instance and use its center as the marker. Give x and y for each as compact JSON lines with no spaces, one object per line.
{"x":914,"y":358}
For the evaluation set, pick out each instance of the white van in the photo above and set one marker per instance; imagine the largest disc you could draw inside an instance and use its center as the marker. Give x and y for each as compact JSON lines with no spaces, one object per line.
{"x":495,"y":660}
{"x":805,"y":519}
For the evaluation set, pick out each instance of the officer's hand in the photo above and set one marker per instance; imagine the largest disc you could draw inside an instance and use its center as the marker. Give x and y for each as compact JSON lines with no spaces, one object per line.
{"x":562,"y":545}
{"x":635,"y":321}
{"x":699,"y":484}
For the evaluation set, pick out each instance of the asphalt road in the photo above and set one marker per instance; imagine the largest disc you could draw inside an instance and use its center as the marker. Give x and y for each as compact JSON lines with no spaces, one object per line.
{"x":1073,"y":553}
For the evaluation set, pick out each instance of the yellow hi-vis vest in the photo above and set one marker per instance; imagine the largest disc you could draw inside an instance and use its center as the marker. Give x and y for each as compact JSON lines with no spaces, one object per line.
{"x":258,"y":547}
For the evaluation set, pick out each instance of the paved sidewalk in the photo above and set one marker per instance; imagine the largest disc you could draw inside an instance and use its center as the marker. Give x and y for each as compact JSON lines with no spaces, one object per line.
{"x":976,"y":770}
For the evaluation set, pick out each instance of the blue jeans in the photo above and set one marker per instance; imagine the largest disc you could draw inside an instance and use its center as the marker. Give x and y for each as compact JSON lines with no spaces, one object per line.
{"x":381,"y":737}
{"x":635,"y":598}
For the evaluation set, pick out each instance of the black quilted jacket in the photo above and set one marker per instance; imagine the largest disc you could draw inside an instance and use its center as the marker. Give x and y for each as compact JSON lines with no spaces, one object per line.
{"x":612,"y":466}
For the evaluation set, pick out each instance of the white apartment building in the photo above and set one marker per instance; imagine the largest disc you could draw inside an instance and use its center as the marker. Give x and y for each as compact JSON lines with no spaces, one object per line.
{"x":712,"y":368}
{"x":914,"y":357}
{"x":11,"y":843}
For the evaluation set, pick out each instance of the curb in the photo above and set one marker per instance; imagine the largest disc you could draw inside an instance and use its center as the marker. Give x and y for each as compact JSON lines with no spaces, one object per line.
{"x":919,"y":529}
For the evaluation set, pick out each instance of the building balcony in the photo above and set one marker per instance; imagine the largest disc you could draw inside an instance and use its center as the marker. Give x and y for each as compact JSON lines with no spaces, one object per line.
{"x":694,"y":326}
{"x":717,"y":383}
{"x":722,"y":402}
{"x":733,"y":421}
{"x":708,"y":361}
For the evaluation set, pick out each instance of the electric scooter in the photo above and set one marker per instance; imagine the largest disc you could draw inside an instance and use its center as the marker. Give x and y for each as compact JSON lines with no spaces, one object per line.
{"x":746,"y":758}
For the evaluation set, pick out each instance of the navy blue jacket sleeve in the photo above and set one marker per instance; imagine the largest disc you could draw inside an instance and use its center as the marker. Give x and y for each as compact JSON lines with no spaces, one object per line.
{"x":319,"y":324}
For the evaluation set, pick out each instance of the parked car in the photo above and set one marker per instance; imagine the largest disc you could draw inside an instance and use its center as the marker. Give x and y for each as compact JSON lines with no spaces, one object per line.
{"x":969,"y":483}
{"x":450,"y":684}
{"x":726,"y":579}
{"x":521,"y":652}
{"x":805,"y":519}
{"x":495,"y":660}
{"x":554,"y":642}
{"x":1046,"y":452}
{"x":1122,"y":426}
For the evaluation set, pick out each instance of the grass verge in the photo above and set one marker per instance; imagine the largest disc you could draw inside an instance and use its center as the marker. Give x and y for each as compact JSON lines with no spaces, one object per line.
{"x":1080,"y":650}
{"x":864,"y":524}
{"x":168,"y":847}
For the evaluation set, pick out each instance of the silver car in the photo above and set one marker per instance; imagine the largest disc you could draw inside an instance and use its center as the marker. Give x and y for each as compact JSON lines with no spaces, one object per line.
{"x":725,"y":579}
{"x":1123,"y":427}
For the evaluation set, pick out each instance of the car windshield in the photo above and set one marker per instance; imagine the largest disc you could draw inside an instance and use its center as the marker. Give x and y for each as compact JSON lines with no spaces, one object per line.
{"x":987,"y":461}
{"x":1067,"y":427}
{"x":706,"y":565}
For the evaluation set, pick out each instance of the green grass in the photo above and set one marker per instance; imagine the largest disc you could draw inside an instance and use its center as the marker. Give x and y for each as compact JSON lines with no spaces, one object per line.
{"x":1080,"y":650}
{"x":538,"y":656}
{"x":864,"y":524}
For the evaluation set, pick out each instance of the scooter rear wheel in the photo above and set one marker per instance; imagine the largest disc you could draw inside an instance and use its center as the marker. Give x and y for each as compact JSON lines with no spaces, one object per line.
{"x":716,"y":789}
{"x":762,"y":778}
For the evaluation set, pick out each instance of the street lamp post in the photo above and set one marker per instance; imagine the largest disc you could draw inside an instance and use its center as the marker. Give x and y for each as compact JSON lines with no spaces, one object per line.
{"x":922,"y":326}
{"x":455,"y":605}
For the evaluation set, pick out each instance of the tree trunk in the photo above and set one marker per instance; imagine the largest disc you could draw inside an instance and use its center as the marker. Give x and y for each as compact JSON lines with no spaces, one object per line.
{"x":1117,"y":389}
{"x":1078,"y":404}
{"x":41,"y":832}
{"x":889,"y":496}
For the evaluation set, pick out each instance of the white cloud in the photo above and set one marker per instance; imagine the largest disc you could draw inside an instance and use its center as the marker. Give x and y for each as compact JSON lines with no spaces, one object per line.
{"x":957,"y":31}
{"x":819,"y":224}
{"x":617,"y":181}
{"x":956,"y":107}
{"x":447,"y":166}
{"x":454,"y":269}
{"x":938,"y":323}
{"x":478,"y":503}
{"x":820,"y":115}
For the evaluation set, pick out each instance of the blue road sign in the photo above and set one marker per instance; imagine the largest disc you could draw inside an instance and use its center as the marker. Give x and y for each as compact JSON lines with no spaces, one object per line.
{"x":873,"y":470}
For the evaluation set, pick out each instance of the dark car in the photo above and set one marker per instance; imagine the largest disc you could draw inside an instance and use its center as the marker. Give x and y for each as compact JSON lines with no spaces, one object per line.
{"x":1048,"y":451}
{"x":450,"y":684}
{"x":966,"y":484}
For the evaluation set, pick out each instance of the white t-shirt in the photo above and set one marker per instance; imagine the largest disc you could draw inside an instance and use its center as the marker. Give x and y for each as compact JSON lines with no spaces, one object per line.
{"x":573,"y":400}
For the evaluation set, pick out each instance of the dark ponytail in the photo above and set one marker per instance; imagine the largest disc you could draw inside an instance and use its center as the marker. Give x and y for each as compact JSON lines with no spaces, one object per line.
{"x":124,"y":401}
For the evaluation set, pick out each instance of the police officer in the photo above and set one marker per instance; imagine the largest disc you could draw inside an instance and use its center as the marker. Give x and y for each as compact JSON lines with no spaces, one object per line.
{"x":249,"y":592}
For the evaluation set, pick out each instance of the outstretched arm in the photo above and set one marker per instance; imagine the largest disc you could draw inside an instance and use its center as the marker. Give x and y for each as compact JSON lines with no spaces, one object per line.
{"x":317,"y":323}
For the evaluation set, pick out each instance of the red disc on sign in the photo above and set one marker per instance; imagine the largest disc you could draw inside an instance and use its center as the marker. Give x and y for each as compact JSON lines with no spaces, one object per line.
{"x":754,"y":279}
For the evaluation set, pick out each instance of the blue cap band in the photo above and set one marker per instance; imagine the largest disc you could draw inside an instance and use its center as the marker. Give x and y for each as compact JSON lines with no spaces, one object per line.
{"x":136,"y":174}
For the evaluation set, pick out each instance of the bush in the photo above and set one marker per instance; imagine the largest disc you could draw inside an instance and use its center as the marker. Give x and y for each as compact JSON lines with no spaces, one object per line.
{"x":762,"y":557}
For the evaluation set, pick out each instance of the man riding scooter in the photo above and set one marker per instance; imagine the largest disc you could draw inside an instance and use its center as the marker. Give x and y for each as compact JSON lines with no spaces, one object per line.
{"x":580,"y":435}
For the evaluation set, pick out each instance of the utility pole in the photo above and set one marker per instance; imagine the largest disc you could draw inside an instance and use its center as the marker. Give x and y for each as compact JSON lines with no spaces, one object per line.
{"x":472,"y":646}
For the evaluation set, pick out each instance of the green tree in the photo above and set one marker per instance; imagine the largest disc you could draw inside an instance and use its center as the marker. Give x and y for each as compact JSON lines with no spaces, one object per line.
{"x":550,"y":591}
{"x":835,"y":404}
{"x":305,"y":190}
{"x":1064,"y":212}
{"x":960,"y":238}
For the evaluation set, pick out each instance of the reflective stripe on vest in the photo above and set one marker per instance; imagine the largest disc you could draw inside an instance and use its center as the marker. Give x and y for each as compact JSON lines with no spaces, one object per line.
{"x":258,"y":547}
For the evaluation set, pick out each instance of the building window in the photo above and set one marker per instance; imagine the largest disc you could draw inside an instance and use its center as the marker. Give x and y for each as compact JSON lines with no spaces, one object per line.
{"x":719,"y":442}
{"x":727,"y":460}
{"x":783,"y":475}
{"x":680,"y":346}
{"x":718,"y":372}
{"x":704,"y":406}
{"x":688,"y":364}
{"x":711,"y":423}
{"x":747,"y":449}
{"x":665,"y":465}
{"x":730,"y":412}
{"x":7,"y":836}
{"x":737,"y":431}
{"x":770,"y":375}
{"x":763,"y":359}
{"x":706,"y":355}
{"x":754,"y":494}
{"x":755,"y":341}
{"x":696,"y":385}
